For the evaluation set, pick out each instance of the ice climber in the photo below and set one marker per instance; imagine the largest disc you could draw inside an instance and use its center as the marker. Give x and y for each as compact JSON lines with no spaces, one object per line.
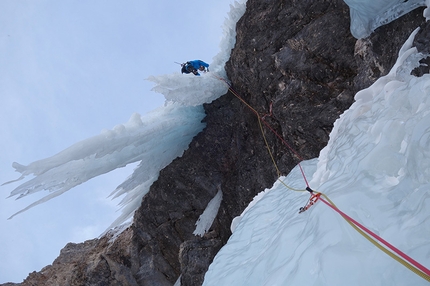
{"x":194,"y":66}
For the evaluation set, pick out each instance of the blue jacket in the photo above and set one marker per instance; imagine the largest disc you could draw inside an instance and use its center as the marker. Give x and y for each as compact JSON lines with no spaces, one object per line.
{"x":196,"y":64}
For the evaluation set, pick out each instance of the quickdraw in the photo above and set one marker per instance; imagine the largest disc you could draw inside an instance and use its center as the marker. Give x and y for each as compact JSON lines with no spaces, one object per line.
{"x":312,"y":200}
{"x":401,"y":257}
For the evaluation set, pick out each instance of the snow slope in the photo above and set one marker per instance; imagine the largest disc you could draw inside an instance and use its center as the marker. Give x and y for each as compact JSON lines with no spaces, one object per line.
{"x":376,"y":169}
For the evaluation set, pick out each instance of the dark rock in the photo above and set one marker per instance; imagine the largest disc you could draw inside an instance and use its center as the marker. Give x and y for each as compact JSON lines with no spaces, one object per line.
{"x":421,"y":43}
{"x":378,"y":52}
{"x":297,"y":65}
{"x":193,"y":256}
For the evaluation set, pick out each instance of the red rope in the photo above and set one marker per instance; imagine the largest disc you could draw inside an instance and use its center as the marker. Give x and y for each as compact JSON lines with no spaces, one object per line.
{"x":268,"y":126}
{"x":292,"y":150}
{"x":314,"y":198}
{"x":383,"y":241}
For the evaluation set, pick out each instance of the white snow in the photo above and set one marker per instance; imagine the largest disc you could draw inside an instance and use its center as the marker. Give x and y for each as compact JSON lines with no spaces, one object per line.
{"x":209,"y":214}
{"x":137,"y":140}
{"x":189,"y":89}
{"x":154,"y":140}
{"x":376,"y":169}
{"x":426,"y":12}
{"x":192,"y":90}
{"x":367,"y":15}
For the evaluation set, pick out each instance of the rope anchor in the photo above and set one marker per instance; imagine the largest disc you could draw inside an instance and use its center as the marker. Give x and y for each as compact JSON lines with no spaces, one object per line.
{"x":395,"y":253}
{"x":312,"y":200}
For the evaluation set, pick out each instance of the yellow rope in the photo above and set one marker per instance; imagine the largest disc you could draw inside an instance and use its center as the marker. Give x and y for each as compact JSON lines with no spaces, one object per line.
{"x":265,"y":141}
{"x":385,"y":250}
{"x":365,"y":235}
{"x":268,"y":148}
{"x":273,"y":159}
{"x":246,"y":103}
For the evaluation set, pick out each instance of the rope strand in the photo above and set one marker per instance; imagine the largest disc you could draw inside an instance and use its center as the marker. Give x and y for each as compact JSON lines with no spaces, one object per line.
{"x":401,"y":257}
{"x":261,"y":118}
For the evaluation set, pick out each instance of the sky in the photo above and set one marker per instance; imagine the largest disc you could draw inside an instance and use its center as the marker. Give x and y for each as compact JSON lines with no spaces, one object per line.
{"x":375,"y":169}
{"x":375,"y":166}
{"x":68,"y":71}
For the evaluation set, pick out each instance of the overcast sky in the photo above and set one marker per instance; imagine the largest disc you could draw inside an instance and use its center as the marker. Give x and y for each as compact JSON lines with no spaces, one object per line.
{"x":68,"y":70}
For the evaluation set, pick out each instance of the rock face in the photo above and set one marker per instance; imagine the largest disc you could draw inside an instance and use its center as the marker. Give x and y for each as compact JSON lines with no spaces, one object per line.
{"x":294,"y":62}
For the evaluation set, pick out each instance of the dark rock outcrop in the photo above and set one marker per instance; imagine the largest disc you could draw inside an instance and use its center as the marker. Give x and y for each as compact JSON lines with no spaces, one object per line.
{"x":294,"y":61}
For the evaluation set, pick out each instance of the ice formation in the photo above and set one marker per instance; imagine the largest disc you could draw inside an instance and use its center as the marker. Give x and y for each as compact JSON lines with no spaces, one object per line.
{"x":154,"y":140}
{"x":209,"y":214}
{"x":367,"y":15}
{"x":191,"y":90}
{"x":376,"y":169}
{"x":137,"y":140}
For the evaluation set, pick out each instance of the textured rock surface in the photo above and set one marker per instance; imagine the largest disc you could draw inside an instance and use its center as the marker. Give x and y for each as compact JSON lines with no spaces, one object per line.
{"x":297,"y":57}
